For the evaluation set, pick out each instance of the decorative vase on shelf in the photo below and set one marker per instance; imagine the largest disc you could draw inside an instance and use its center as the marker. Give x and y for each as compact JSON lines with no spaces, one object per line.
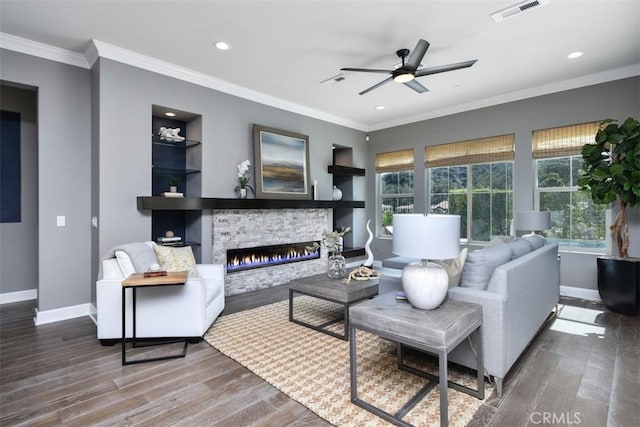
{"x":242,"y":193}
{"x":337,"y":266}
{"x":337,"y":193}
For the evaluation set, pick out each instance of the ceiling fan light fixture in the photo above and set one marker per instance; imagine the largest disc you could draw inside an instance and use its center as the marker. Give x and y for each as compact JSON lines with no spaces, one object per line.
{"x":403,"y":78}
{"x":222,"y":45}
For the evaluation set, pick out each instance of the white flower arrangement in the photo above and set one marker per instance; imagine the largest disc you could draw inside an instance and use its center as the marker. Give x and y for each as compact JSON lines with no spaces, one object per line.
{"x":243,"y":174}
{"x":331,"y":240}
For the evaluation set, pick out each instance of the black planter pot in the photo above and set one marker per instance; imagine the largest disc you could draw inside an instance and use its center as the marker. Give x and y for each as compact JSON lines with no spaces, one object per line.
{"x":619,"y":284}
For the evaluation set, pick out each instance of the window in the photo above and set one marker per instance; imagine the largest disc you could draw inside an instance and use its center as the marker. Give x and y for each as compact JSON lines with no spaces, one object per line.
{"x":473,"y":179}
{"x":395,"y":187}
{"x":575,"y":220}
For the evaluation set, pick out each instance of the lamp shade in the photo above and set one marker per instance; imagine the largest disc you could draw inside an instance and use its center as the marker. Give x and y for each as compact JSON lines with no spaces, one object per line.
{"x":533,"y":220}
{"x":426,"y":236}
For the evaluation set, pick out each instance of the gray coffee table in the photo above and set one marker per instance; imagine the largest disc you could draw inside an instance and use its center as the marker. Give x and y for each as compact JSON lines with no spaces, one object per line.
{"x":436,"y":331}
{"x":322,"y":287}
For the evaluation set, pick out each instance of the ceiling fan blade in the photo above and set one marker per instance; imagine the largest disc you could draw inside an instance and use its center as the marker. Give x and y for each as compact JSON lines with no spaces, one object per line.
{"x":366,"y":70}
{"x":415,"y":85}
{"x":375,"y":86}
{"x":444,"y":68}
{"x":417,"y":54}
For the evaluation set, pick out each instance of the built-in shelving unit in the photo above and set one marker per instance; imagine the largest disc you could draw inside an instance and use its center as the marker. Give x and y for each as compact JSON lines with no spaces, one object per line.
{"x":343,"y":175}
{"x":182,"y":161}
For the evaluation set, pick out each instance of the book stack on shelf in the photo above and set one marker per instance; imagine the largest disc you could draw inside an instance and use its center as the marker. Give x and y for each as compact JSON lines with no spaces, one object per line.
{"x":172,"y":194}
{"x":170,"y":241}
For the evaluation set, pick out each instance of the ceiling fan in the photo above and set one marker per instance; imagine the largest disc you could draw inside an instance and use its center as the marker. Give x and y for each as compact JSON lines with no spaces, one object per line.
{"x":408,"y":71}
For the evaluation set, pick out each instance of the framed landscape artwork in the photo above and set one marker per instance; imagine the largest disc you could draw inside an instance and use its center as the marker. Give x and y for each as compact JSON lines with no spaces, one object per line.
{"x":281,"y":164}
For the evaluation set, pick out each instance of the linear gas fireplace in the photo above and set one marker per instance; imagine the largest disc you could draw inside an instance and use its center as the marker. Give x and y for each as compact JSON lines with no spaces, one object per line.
{"x":265,"y":256}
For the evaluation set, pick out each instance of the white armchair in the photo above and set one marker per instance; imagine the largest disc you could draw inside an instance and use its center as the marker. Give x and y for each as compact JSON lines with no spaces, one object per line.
{"x":162,"y":312}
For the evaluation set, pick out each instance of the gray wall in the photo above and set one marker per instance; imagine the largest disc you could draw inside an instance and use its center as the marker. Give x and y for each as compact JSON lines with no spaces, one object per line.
{"x":19,"y":241}
{"x":94,"y":155}
{"x":64,"y":126}
{"x":227,"y":139}
{"x":617,"y":99}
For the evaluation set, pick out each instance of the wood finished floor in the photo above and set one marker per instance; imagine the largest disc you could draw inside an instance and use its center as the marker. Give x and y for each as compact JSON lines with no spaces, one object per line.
{"x":582,"y":369}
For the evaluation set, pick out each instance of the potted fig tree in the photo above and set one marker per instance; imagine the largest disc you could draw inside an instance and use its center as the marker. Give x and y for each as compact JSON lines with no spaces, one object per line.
{"x":611,"y":174}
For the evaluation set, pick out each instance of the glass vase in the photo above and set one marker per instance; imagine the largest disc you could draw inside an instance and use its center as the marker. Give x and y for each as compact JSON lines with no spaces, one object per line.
{"x":337,"y":266}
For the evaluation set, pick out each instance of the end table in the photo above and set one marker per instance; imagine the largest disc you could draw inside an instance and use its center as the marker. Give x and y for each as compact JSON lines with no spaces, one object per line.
{"x":135,"y":281}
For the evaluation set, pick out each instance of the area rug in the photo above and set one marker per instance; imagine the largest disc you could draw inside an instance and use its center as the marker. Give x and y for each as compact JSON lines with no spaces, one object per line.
{"x":313,"y":368}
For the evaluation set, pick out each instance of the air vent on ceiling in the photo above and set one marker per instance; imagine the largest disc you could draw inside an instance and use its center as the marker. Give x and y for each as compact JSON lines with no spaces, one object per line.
{"x":517,"y":9}
{"x":333,"y":80}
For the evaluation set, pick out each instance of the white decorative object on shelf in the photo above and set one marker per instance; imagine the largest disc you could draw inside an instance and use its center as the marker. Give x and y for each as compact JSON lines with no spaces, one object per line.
{"x":243,"y":178}
{"x":171,"y":135}
{"x":337,"y":193}
{"x":367,"y":247}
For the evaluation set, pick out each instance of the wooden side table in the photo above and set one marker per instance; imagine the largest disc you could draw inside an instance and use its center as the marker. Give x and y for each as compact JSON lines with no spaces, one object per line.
{"x":436,"y":331}
{"x":135,"y":281}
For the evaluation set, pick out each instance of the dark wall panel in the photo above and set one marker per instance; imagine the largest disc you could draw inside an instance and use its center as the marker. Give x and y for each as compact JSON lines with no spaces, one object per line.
{"x":10,"y":187}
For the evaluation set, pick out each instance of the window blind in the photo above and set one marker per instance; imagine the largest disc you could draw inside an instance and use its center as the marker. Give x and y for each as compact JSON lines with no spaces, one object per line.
{"x":482,"y":150}
{"x":563,"y":141}
{"x":394,"y":161}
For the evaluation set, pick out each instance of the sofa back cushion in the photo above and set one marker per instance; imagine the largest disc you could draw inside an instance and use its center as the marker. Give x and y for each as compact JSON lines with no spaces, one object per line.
{"x":480,"y":264}
{"x":519,"y":247}
{"x":453,"y":267}
{"x":535,"y":241}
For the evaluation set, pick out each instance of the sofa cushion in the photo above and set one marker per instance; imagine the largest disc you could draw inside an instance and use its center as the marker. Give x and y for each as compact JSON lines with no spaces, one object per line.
{"x":453,"y":267}
{"x":176,"y":259}
{"x":519,"y":247}
{"x":480,"y":264}
{"x":135,"y":257}
{"x":536,"y":241}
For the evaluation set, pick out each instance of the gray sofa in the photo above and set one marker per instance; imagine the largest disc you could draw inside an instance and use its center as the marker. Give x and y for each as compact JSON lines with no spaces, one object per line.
{"x":518,"y":286}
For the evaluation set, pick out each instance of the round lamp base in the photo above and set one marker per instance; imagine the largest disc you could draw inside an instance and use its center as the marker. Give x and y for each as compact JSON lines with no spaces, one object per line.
{"x":425,"y":285}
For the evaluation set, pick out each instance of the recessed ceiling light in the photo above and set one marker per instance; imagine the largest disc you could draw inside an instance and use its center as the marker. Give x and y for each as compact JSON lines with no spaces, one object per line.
{"x":170,"y":114}
{"x":379,"y":107}
{"x":574,"y":55}
{"x":223,"y":45}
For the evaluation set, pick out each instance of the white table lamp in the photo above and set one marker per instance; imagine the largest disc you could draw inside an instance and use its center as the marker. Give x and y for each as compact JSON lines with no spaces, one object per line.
{"x":533,"y":221}
{"x":426,"y":237}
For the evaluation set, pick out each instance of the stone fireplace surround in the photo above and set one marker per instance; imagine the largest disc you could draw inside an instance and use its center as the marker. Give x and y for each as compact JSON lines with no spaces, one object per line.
{"x":243,"y":228}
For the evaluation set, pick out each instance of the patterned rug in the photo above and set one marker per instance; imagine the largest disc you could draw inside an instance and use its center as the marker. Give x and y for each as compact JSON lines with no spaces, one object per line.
{"x":313,"y":368}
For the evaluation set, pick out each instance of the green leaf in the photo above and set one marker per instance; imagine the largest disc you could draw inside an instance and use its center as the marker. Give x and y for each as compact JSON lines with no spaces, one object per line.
{"x":600,"y":173}
{"x":616,"y":169}
{"x":615,"y":138}
{"x":601,"y":136}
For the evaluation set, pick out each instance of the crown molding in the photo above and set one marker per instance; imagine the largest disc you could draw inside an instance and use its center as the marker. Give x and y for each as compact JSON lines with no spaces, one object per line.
{"x":98,"y":49}
{"x":41,"y":50}
{"x":148,"y":63}
{"x":592,"y":79}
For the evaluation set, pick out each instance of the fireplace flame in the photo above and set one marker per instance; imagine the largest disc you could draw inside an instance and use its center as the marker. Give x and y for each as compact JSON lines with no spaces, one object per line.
{"x":264,"y":256}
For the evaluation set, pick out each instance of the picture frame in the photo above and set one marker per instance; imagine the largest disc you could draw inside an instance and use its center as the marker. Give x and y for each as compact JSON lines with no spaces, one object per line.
{"x":281,"y":161}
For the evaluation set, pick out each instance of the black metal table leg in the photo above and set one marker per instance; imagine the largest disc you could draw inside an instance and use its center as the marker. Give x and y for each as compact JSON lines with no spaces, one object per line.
{"x":133,"y":336}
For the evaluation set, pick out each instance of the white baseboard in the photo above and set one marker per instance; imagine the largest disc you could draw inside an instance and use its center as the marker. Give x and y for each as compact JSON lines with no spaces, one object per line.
{"x":573,"y":292}
{"x":93,"y":313}
{"x":10,"y":297}
{"x":63,"y":313}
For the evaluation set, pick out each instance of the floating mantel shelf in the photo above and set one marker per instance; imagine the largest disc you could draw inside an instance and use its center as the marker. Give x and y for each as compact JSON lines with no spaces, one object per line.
{"x":205,"y":203}
{"x":345,"y":170}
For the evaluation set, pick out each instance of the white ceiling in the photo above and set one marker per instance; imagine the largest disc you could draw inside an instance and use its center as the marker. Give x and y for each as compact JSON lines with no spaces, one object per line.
{"x":284,"y":49}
